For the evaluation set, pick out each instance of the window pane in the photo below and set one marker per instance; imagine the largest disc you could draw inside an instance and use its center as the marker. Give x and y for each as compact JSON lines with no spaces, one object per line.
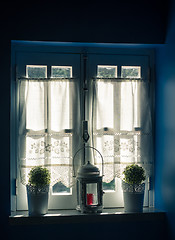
{"x":107,"y":71}
{"x":61,"y":160}
{"x":105,"y":145}
{"x":109,"y":186}
{"x":127,"y":107}
{"x":36,"y":106}
{"x":60,"y":121}
{"x":35,"y":71}
{"x":60,"y":188}
{"x":61,"y":71}
{"x":127,"y":150}
{"x":105,"y":106}
{"x":36,"y":98}
{"x":130,"y":106}
{"x":33,"y":149}
{"x":60,"y":106}
{"x":131,"y":72}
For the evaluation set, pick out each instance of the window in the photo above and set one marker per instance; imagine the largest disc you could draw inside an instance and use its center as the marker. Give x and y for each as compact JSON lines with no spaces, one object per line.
{"x":131,"y":71}
{"x":50,"y":109}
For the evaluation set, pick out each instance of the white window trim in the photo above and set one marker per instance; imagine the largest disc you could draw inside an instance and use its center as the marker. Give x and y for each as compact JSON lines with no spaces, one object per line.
{"x":65,"y":48}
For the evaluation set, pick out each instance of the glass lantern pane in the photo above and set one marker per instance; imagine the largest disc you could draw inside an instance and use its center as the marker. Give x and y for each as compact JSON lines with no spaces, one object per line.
{"x":92,"y":196}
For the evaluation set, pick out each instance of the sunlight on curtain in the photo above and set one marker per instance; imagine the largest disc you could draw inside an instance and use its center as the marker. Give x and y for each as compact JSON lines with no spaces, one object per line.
{"x":127,"y":107}
{"x":106,"y":105}
{"x":58,"y":107}
{"x":129,"y":139}
{"x":36,"y":106}
{"x":46,"y":127}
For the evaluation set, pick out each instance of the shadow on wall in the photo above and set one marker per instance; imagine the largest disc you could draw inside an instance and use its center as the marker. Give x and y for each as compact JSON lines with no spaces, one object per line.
{"x":168,"y":190}
{"x":168,"y":170}
{"x":165,"y":131}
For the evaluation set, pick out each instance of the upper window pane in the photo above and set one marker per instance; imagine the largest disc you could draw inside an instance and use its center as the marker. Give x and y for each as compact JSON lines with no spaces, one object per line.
{"x":105,"y":105}
{"x":60,"y":117}
{"x":131,"y":72}
{"x":61,"y":71}
{"x":107,"y":71}
{"x":35,"y":71}
{"x":36,"y":105}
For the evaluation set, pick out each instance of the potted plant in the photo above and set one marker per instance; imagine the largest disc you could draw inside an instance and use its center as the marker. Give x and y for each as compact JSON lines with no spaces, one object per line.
{"x":37,"y":191}
{"x":133,"y":188}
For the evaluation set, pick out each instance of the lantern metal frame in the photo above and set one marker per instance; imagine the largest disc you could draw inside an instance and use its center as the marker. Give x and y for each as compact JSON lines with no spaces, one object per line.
{"x":89,"y":174}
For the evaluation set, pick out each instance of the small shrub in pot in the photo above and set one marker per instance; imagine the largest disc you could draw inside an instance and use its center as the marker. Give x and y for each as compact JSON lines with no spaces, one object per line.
{"x":37,"y":191}
{"x":133,"y":188}
{"x":134,"y":174}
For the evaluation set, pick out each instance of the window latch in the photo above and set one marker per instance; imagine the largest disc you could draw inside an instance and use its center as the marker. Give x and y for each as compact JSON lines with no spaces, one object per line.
{"x":85,"y":131}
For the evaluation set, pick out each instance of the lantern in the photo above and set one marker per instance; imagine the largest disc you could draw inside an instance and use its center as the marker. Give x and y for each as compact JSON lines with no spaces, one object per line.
{"x":89,"y":187}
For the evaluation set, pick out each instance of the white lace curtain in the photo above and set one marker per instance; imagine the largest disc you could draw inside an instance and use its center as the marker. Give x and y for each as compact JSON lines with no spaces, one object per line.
{"x":122,"y":125}
{"x":50,"y":127}
{"x":48,"y":119}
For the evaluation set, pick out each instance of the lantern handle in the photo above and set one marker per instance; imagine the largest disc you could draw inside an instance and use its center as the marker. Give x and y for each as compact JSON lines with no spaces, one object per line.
{"x":91,"y":148}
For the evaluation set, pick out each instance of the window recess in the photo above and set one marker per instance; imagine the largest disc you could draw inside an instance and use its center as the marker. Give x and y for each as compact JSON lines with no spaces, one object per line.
{"x":55,"y":93}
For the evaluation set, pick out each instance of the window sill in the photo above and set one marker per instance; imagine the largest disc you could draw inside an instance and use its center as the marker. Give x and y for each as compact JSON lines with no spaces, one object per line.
{"x":73,"y":216}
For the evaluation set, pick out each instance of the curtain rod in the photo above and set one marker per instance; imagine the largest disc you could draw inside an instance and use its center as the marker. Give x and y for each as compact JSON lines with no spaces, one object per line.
{"x":44,"y":79}
{"x":71,"y":79}
{"x":119,"y":79}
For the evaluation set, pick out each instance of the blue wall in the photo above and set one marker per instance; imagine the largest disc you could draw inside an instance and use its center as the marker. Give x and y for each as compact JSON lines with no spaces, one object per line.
{"x":165,"y":126}
{"x":165,"y":123}
{"x":133,"y":22}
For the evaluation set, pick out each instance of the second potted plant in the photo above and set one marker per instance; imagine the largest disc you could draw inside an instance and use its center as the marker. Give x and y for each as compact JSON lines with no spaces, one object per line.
{"x":37,"y":191}
{"x":133,"y":188}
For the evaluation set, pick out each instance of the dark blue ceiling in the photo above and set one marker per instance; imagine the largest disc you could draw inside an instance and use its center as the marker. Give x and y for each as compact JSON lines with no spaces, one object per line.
{"x":142,"y":21}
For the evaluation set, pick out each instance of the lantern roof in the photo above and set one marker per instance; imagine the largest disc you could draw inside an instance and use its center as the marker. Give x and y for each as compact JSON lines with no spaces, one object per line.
{"x":88,"y":170}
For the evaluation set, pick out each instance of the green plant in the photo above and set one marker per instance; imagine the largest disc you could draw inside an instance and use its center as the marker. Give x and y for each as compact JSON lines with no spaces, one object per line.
{"x":39,"y":177}
{"x":134,"y":174}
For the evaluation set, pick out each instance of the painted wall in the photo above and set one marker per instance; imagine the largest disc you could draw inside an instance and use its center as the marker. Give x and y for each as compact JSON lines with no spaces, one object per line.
{"x":165,"y":123}
{"x":113,"y":21}
{"x":125,"y":22}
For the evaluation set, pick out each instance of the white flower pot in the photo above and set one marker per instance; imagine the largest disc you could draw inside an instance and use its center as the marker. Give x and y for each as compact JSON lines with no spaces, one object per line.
{"x":37,"y":200}
{"x":133,"y":197}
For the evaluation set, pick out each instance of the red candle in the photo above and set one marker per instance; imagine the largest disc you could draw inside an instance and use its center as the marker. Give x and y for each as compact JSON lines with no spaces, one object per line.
{"x":90,"y":198}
